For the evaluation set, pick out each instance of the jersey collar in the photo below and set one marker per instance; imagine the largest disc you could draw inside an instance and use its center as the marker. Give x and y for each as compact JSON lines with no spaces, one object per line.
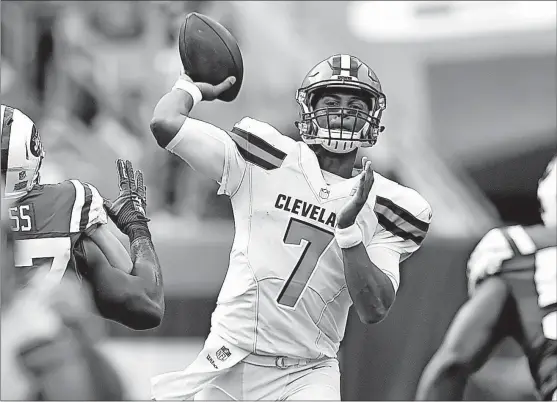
{"x":325,"y":186}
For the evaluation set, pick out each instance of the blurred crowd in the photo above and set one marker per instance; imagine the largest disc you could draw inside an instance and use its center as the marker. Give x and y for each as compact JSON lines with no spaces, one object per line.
{"x":89,"y":75}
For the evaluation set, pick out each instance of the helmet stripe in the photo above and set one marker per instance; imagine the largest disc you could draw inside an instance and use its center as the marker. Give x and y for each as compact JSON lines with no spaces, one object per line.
{"x":354,"y":67}
{"x":345,"y":65}
{"x":336,"y":65}
{"x":7,"y":120}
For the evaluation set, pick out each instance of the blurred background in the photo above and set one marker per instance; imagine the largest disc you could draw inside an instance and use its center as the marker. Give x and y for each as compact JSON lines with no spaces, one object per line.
{"x":471,"y":124}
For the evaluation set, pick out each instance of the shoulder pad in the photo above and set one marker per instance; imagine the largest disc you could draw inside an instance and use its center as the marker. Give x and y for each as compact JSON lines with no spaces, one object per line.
{"x":402,"y":212}
{"x":260,"y":143}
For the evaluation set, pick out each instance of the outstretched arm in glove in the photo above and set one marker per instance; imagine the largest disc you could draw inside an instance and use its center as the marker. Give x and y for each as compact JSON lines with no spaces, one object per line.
{"x":136,"y":299}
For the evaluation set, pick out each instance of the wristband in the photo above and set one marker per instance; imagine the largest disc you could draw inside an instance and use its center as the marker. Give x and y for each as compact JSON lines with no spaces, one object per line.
{"x":137,"y":230}
{"x":348,"y":237}
{"x":190,"y":88}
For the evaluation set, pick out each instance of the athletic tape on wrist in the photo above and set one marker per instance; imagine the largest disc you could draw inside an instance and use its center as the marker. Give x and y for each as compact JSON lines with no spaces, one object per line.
{"x":190,"y":88}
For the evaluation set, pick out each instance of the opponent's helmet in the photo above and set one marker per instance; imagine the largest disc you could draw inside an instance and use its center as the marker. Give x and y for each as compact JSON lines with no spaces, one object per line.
{"x":346,"y":72}
{"x":22,"y":152}
{"x":547,"y":193}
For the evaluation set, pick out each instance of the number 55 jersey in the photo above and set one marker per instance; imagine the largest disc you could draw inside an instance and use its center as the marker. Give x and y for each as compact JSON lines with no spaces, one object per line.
{"x":285,"y":293}
{"x":48,"y":223}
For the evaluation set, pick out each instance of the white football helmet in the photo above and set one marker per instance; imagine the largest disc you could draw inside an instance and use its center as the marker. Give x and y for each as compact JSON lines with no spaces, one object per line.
{"x":346,"y":72}
{"x":22,"y":152}
{"x":547,"y":194}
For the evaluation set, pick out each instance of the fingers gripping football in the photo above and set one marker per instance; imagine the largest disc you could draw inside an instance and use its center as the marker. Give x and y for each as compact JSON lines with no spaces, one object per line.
{"x":211,"y":92}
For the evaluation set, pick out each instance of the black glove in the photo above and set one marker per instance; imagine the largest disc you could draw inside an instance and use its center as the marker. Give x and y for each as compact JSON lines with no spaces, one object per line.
{"x":127,"y":211}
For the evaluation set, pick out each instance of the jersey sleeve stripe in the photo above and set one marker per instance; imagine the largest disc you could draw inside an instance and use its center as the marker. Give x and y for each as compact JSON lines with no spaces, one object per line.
{"x":509,"y":238}
{"x":84,"y":220}
{"x":97,"y":214}
{"x":251,"y":152}
{"x":392,"y":227}
{"x":521,"y":239}
{"x":75,"y":219}
{"x":259,"y":143}
{"x":403,"y":214}
{"x":262,"y":163}
{"x":400,"y":223}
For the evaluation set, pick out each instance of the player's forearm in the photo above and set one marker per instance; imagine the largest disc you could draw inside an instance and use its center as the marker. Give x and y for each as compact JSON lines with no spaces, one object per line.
{"x":370,"y":288}
{"x":169,"y":115}
{"x":147,"y":267}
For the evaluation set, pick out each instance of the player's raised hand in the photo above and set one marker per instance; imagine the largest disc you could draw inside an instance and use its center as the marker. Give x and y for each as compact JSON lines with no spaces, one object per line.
{"x":348,"y":213}
{"x":211,"y":92}
{"x":130,"y":205}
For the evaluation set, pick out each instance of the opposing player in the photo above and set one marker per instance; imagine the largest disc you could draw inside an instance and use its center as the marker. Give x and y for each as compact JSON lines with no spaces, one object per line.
{"x":496,"y":310}
{"x":64,"y":225}
{"x":311,"y":240}
{"x":46,"y":352}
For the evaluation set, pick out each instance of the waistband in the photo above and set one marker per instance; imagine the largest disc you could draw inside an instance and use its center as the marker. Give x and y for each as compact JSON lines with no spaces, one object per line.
{"x":279,"y":361}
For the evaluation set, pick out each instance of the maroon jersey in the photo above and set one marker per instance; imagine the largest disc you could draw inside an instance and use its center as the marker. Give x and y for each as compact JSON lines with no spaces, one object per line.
{"x":48,"y":223}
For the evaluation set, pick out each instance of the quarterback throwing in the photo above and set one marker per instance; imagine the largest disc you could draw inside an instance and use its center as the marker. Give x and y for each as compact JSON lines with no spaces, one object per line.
{"x":311,"y":239}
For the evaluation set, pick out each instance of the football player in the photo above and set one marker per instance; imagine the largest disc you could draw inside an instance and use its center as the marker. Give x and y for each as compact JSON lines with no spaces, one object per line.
{"x":61,"y":229}
{"x":495,"y":310}
{"x":47,"y":354}
{"x":311,"y":239}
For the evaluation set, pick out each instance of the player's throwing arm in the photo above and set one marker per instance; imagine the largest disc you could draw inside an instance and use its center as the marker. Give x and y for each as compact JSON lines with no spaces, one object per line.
{"x":213,"y":69}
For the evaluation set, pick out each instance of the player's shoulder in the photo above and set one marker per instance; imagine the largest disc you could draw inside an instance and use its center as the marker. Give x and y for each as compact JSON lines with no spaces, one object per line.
{"x":67,"y":191}
{"x":402,"y":200}
{"x":526,"y":239}
{"x":403,"y":216}
{"x":260,"y":143}
{"x":81,"y":202}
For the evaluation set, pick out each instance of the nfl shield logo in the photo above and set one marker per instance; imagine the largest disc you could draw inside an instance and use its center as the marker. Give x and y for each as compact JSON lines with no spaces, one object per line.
{"x":324,"y":193}
{"x":223,"y":353}
{"x":22,"y":175}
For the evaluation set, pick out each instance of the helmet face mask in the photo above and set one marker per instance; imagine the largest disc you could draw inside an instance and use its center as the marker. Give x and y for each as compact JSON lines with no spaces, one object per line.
{"x":22,"y":152}
{"x":340,"y":73}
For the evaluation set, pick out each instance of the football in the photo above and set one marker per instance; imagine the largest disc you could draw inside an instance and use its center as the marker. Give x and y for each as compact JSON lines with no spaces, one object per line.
{"x":210,"y":53}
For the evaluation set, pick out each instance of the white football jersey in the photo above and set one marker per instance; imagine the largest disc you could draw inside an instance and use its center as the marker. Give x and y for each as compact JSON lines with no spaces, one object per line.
{"x":285,"y":293}
{"x":546,"y":285}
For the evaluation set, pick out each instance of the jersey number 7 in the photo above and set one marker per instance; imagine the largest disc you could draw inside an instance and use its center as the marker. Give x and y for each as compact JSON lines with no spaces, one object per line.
{"x":55,"y":249}
{"x":316,"y":240}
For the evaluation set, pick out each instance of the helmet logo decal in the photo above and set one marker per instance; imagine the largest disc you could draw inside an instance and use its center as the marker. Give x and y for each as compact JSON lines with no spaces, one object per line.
{"x":35,"y":143}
